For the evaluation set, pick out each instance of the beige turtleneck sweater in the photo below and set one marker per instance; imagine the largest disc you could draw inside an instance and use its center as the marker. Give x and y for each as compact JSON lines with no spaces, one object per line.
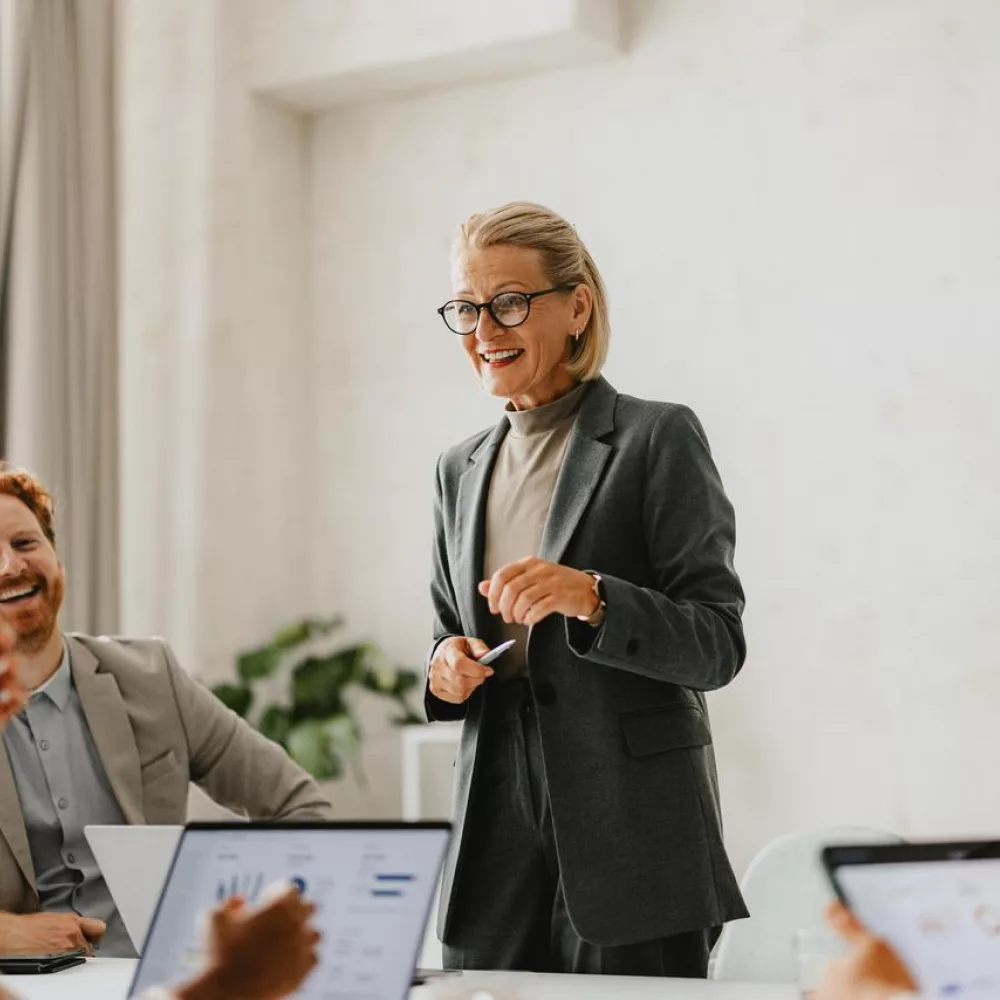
{"x":517,"y":507}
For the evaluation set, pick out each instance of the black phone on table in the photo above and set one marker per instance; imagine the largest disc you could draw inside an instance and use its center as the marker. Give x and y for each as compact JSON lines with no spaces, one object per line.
{"x":35,"y":965}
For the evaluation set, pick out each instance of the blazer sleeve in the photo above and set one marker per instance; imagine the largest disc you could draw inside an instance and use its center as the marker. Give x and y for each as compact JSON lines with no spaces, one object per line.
{"x":237,"y":766}
{"x":447,"y":620}
{"x":685,"y":629}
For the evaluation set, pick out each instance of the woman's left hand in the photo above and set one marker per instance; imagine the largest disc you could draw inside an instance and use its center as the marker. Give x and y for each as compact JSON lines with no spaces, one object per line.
{"x":526,"y":591}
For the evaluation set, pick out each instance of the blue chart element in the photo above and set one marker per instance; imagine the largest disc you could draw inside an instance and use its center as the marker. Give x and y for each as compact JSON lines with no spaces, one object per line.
{"x":247,"y":885}
{"x":300,"y":883}
{"x":391,"y":878}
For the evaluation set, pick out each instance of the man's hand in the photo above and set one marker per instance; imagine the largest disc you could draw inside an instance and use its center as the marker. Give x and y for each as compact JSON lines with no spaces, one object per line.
{"x":13,"y":696}
{"x":47,"y":933}
{"x":261,"y":954}
{"x":526,"y":591}
{"x":870,"y":971}
{"x":454,"y":673}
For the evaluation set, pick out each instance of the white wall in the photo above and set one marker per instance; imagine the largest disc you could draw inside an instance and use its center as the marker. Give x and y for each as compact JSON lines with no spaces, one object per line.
{"x":215,"y":415}
{"x":796,"y":210}
{"x":218,"y":424}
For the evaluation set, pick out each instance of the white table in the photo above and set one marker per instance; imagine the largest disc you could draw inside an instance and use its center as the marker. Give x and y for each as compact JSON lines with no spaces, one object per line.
{"x":533,"y":986}
{"x":110,"y":978}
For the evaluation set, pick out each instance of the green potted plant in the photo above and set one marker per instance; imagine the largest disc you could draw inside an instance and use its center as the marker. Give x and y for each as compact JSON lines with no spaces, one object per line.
{"x":315,"y":723}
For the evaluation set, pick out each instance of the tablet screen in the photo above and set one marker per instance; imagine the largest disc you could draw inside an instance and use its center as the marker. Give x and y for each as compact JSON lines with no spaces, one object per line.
{"x":942,"y":917}
{"x":372,"y":887}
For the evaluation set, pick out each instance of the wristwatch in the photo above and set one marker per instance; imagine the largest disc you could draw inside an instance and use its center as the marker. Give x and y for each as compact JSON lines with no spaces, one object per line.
{"x":596,"y":619}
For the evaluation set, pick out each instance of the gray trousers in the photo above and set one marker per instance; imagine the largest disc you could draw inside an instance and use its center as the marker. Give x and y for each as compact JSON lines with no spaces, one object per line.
{"x":509,"y":911}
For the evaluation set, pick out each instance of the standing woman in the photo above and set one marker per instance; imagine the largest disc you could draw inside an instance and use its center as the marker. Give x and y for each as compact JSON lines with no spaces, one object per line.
{"x":591,"y":527}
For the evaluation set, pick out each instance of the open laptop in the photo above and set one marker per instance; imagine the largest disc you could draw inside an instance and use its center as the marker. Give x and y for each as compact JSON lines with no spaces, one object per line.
{"x":937,"y":904}
{"x":134,"y":861}
{"x":372,"y":884}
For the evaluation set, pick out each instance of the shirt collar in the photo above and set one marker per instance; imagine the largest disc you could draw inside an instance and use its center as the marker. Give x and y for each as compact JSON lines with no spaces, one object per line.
{"x":57,"y":688}
{"x":545,"y":418}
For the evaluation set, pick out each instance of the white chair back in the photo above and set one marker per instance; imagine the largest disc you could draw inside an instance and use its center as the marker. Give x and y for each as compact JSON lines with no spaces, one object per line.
{"x":786,"y":890}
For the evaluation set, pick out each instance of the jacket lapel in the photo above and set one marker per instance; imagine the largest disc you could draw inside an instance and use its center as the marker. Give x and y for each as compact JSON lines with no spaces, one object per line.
{"x":12,"y":822}
{"x":109,"y":724}
{"x":473,"y":489}
{"x":583,"y":464}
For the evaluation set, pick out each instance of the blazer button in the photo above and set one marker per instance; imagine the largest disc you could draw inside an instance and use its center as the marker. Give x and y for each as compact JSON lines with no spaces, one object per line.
{"x":632,"y":647}
{"x":544,"y":692}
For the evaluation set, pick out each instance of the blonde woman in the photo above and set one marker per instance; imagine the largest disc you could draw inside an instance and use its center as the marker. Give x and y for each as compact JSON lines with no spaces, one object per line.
{"x":592,"y":528}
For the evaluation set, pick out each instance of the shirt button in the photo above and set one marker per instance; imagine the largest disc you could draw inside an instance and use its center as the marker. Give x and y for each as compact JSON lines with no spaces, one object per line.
{"x":64,"y":804}
{"x":71,"y":858}
{"x":44,"y":744}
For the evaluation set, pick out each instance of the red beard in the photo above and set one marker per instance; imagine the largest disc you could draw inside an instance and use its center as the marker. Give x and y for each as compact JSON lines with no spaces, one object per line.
{"x":34,"y":626}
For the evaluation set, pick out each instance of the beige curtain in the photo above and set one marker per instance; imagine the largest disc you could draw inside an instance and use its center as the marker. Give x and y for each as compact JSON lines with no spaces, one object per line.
{"x":14,"y":34}
{"x":62,"y":409}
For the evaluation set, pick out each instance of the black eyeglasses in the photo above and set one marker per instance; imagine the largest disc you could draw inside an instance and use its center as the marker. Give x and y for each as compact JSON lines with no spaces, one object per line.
{"x":507,"y":309}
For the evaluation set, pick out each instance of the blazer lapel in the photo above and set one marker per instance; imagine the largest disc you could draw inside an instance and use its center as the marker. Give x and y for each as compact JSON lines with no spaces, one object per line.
{"x":583,"y":464}
{"x":109,"y":725}
{"x":473,"y":489}
{"x":12,"y":822}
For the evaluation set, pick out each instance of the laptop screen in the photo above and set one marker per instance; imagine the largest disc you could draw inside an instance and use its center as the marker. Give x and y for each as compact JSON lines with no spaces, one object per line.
{"x":372,"y":886}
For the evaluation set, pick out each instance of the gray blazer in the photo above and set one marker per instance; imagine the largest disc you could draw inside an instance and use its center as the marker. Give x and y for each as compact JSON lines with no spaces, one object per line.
{"x":157,"y":729}
{"x":624,"y":728}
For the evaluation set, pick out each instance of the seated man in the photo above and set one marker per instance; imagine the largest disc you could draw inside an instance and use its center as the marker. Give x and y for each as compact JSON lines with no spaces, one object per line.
{"x":113,"y":732}
{"x":258,"y":954}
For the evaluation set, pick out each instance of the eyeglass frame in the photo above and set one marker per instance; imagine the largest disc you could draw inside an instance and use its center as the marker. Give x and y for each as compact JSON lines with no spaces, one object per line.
{"x":488,"y":306}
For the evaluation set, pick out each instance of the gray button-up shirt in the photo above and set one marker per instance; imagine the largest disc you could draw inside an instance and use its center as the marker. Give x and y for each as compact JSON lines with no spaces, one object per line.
{"x":63,"y":787}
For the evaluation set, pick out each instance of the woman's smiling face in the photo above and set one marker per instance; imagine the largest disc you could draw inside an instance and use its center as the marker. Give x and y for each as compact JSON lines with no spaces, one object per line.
{"x":525,"y":364}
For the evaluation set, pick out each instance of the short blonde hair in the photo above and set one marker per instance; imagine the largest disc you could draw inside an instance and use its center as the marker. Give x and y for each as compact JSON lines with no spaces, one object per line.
{"x":566,"y":262}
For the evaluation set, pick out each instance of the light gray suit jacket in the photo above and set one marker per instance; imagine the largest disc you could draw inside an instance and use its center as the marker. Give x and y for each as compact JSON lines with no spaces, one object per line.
{"x":624,"y":728}
{"x":157,"y":729}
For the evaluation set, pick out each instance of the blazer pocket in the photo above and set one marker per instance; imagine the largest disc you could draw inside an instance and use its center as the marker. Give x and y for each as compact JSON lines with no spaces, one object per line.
{"x":656,"y":730}
{"x":157,"y":768}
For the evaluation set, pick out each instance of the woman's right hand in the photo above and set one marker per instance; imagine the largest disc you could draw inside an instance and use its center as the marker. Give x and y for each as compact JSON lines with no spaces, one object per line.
{"x":454,"y":672}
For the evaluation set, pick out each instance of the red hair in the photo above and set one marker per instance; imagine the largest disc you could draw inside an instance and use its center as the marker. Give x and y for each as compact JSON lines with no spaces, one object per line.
{"x":23,"y":486}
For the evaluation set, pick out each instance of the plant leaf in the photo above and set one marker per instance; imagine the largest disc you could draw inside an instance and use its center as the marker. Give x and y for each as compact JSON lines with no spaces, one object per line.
{"x":276,"y":723}
{"x":345,"y":744}
{"x":344,"y":735}
{"x":318,"y":683}
{"x":309,"y":747}
{"x":379,"y":673}
{"x":238,"y":697}
{"x":406,"y":681}
{"x":258,"y":663}
{"x":301,"y":631}
{"x":408,"y":718}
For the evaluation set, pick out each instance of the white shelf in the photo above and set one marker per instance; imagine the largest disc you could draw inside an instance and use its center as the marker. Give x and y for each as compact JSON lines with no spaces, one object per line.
{"x":313,"y":55}
{"x":418,"y":743}
{"x":415,"y":739}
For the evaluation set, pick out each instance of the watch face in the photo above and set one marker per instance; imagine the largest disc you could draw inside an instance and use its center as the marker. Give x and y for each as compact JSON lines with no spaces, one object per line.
{"x":597,"y":616}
